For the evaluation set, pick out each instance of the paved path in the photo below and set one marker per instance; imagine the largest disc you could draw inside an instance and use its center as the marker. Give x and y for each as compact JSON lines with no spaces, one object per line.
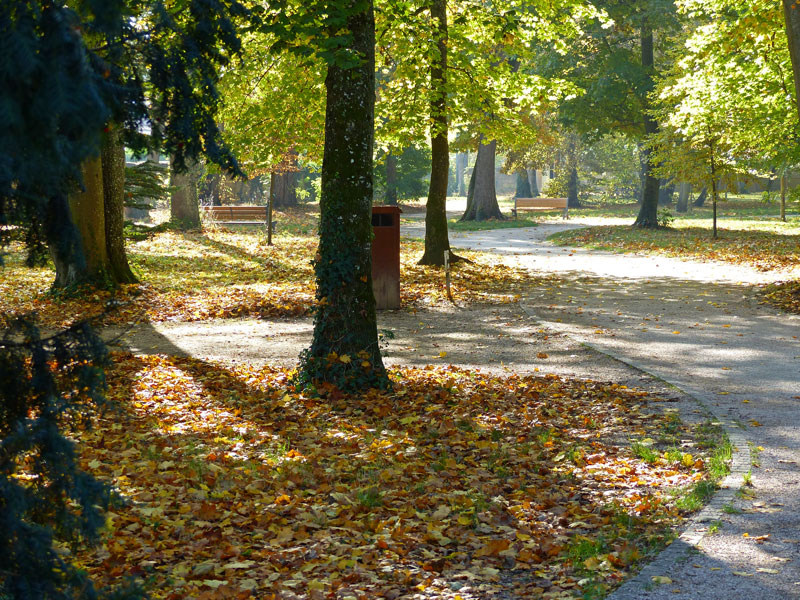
{"x":700,"y":327}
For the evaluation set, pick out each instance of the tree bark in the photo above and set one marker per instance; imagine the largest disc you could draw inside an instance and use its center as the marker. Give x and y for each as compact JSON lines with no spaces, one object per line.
{"x":791,"y":15}
{"x":572,"y":171}
{"x":523,"y":184}
{"x":483,"y":204}
{"x":88,"y":265}
{"x":462,"y":160}
{"x":437,"y":241}
{"x":666,"y":192}
{"x":648,"y":212}
{"x":344,"y":350}
{"x":390,"y":197}
{"x":783,"y":195}
{"x":701,"y":198}
{"x":683,"y":197}
{"x":184,"y":205}
{"x":283,"y":183}
{"x":533,"y":177}
{"x":113,"y":165}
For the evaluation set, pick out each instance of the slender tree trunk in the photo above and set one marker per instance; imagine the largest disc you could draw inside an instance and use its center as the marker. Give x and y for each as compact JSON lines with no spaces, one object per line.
{"x":484,"y":197}
{"x":113,"y":164}
{"x":783,"y":195}
{"x":437,"y":241}
{"x":87,"y":213}
{"x":648,"y":212}
{"x":184,"y":205}
{"x":533,"y":178}
{"x":572,"y":171}
{"x":713,"y":190}
{"x":462,"y":159}
{"x":683,"y":197}
{"x":791,"y":14}
{"x":523,"y":184}
{"x":666,"y":192}
{"x":391,"y":179}
{"x":344,"y":350}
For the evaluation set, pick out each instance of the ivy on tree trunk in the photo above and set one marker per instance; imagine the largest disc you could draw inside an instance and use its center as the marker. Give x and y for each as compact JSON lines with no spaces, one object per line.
{"x":344,"y":351}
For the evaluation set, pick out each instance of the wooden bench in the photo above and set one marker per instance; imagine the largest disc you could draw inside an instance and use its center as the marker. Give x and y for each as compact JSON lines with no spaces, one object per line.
{"x":540,"y":204}
{"x":236,"y":213}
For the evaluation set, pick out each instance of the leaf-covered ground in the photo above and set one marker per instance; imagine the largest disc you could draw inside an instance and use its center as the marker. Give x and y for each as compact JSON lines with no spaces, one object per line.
{"x":223,"y":273}
{"x":456,"y":485}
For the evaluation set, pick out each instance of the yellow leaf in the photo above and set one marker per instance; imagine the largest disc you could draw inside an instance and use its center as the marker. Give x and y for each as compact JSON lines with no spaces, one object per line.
{"x":764,"y":570}
{"x":442,"y":354}
{"x":742,"y":574}
{"x":344,"y":358}
{"x":661,"y":579}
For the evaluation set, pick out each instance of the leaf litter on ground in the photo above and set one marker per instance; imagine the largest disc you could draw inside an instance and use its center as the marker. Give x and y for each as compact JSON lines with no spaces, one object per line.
{"x":457,"y":482}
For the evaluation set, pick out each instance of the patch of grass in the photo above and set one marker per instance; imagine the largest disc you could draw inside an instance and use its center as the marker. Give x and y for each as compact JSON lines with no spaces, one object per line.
{"x":730,"y":509}
{"x":714,"y":527}
{"x":694,"y":497}
{"x":755,"y":453}
{"x":644,"y":452}
{"x":510,"y":223}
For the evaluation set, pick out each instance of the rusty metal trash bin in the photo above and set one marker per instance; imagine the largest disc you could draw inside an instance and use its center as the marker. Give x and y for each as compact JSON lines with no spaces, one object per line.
{"x":386,"y":256}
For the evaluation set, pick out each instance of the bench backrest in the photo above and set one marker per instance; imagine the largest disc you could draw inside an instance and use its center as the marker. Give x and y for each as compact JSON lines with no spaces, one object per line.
{"x":540,"y":202}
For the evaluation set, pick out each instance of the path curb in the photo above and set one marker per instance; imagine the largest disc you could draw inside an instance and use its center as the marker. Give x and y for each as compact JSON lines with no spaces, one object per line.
{"x":696,"y":527}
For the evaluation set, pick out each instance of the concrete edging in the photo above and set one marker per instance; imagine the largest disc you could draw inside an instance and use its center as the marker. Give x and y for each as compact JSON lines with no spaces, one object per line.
{"x":696,"y":526}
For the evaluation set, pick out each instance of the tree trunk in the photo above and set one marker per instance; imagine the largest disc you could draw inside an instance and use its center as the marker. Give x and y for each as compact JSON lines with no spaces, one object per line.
{"x":683,"y":197}
{"x":791,"y":15}
{"x":87,"y":213}
{"x":437,"y":241}
{"x":113,"y":165}
{"x":344,"y":350}
{"x":184,"y":205}
{"x":666,"y":192}
{"x":483,"y":205}
{"x":523,"y":184}
{"x":533,"y":178}
{"x":462,"y":159}
{"x":648,"y":212}
{"x":391,"y":180}
{"x":701,"y":198}
{"x":783,"y":195}
{"x":283,"y":183}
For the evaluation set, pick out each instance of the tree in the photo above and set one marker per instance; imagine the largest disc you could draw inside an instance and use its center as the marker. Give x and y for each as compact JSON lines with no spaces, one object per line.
{"x":482,"y":198}
{"x":58,"y":96}
{"x":791,"y":15}
{"x":344,"y":350}
{"x":184,"y":204}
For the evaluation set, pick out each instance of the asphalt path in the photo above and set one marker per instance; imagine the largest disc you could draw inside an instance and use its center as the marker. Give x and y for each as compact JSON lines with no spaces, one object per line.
{"x":701,"y":327}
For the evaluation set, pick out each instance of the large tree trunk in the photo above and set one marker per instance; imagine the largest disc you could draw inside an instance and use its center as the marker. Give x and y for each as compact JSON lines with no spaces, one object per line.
{"x":344,"y":350}
{"x":89,"y":266}
{"x":283,"y":184}
{"x":533,"y":177}
{"x":483,"y":204}
{"x":437,"y":241}
{"x":523,"y":184}
{"x":390,"y":197}
{"x":648,"y":212}
{"x":791,"y":14}
{"x":462,"y":160}
{"x":683,"y":197}
{"x":184,"y":205}
{"x":113,"y":164}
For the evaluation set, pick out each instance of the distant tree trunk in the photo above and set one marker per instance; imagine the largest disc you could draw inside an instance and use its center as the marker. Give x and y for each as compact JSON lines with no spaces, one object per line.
{"x":484,"y":198}
{"x":683,"y":197}
{"x":344,"y":350}
{"x":783,"y":195}
{"x":791,"y":15}
{"x":283,"y":189}
{"x":391,"y":179}
{"x":533,"y":178}
{"x":666,"y":192}
{"x":113,"y":165}
{"x":436,"y":237}
{"x":523,"y":184}
{"x":462,"y":159}
{"x":572,"y":173}
{"x":184,"y":205}
{"x":648,"y":212}
{"x":89,"y":265}
{"x":701,"y":197}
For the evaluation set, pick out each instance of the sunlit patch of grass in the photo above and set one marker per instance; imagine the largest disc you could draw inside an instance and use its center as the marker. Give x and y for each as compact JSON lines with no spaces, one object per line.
{"x":509,"y":223}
